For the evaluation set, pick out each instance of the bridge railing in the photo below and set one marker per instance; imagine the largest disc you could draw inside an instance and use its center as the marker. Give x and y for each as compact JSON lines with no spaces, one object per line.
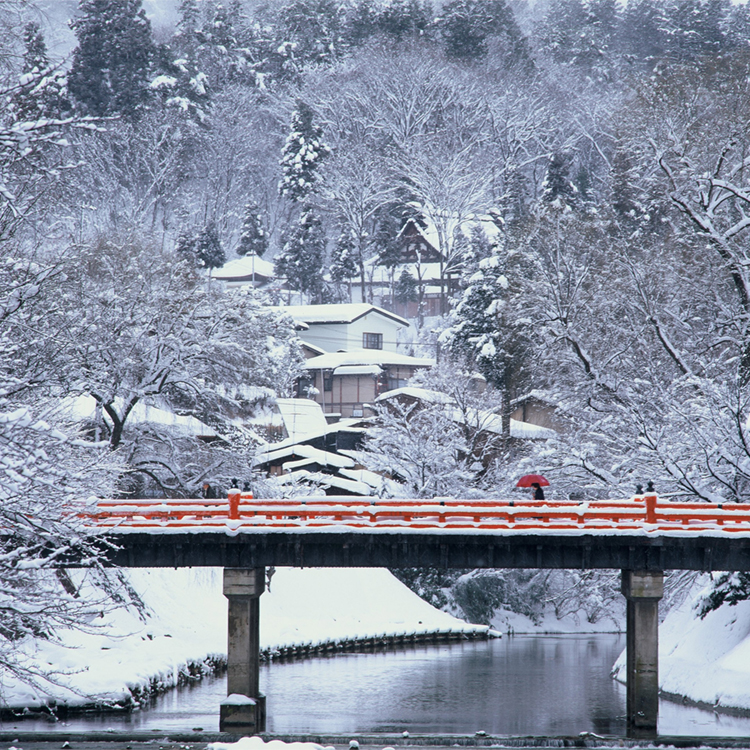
{"x":242,"y":511}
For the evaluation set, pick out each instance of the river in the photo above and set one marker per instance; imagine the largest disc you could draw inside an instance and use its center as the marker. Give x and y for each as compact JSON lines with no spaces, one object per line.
{"x":538,"y":685}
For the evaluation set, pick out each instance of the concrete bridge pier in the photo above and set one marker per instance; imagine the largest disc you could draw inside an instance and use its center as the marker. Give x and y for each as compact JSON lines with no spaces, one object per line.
{"x":642,"y":589}
{"x":244,"y":710}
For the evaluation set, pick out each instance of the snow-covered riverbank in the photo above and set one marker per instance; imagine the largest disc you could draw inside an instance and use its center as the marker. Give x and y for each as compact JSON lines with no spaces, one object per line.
{"x":187,"y":623}
{"x":706,"y":661}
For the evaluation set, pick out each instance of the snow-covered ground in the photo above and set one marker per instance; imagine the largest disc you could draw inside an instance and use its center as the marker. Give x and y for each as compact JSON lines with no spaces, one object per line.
{"x":707,"y":661}
{"x":506,"y":621}
{"x":187,"y":623}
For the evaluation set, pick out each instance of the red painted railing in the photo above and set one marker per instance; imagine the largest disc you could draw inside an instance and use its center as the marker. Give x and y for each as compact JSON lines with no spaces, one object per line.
{"x":241,"y":511}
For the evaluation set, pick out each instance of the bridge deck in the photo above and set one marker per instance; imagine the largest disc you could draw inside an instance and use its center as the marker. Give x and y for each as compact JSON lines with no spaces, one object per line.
{"x":642,"y":533}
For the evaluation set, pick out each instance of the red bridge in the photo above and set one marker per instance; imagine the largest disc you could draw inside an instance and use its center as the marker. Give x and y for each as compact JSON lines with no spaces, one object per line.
{"x":642,"y":536}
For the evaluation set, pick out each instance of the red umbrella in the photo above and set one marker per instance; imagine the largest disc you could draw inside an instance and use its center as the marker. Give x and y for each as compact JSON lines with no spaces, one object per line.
{"x":527,"y":480}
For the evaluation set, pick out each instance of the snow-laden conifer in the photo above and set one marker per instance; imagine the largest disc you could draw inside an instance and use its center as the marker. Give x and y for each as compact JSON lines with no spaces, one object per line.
{"x":301,"y":155}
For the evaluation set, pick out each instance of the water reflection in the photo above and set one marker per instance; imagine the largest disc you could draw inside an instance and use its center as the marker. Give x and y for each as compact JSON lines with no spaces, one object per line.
{"x":542,"y":685}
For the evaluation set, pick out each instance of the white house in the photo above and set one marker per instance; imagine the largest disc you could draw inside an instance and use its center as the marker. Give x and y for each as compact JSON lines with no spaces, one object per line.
{"x":335,"y":328}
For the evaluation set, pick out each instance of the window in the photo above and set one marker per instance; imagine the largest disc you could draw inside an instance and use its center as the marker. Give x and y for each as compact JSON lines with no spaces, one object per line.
{"x":372,"y":340}
{"x":328,"y":380}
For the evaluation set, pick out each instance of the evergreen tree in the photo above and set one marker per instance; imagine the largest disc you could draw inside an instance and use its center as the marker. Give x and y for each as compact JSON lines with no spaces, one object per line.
{"x":190,"y":17}
{"x":208,"y":249}
{"x":301,"y":156}
{"x":186,"y":245}
{"x":41,"y":91}
{"x":622,"y":199}
{"x":253,"y":239}
{"x":403,"y":19}
{"x":405,"y":290}
{"x":467,"y":25}
{"x":344,"y":259}
{"x":203,"y":249}
{"x":642,"y":30}
{"x":35,"y":58}
{"x":361,"y":22}
{"x":111,"y":64}
{"x":302,"y":258}
{"x":696,"y":27}
{"x":560,"y":34}
{"x":314,"y":27}
{"x":558,"y":189}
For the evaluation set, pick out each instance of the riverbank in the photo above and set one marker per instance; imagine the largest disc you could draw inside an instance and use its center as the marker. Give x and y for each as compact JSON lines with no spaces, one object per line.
{"x":127,"y":659}
{"x":704,"y":662}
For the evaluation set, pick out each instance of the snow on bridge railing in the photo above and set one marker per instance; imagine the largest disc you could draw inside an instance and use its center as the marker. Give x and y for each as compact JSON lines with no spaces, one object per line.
{"x":240,"y":511}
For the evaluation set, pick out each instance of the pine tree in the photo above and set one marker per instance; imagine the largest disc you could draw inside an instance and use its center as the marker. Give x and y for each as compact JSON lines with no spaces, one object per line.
{"x":208,"y":249}
{"x":467,"y":25}
{"x":35,"y":58}
{"x":301,"y":156}
{"x":558,"y":189}
{"x":253,"y":238}
{"x":41,"y":92}
{"x":642,"y":31}
{"x":343,"y":260}
{"x":405,"y":290}
{"x":696,"y":27}
{"x":405,"y":18}
{"x":111,"y":64}
{"x":186,"y":245}
{"x":302,"y":258}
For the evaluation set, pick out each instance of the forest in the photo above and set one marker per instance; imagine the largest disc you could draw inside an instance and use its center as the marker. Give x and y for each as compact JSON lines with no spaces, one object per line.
{"x":608,"y":141}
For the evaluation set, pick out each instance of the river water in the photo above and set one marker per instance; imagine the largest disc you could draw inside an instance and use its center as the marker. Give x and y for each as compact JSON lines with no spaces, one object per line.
{"x":538,"y":685}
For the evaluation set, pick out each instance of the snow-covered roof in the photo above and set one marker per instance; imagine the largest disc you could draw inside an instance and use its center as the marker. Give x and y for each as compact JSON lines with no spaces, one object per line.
{"x":371,"y":478}
{"x":243,"y":268}
{"x":358,"y":357}
{"x":315,"y":350}
{"x":347,"y":313}
{"x":421,"y":394}
{"x":373,"y":370}
{"x":83,"y":408}
{"x":530,"y":431}
{"x":487,"y":420}
{"x":328,"y":480}
{"x":323,"y":458}
{"x":301,"y":416}
{"x":535,"y":394}
{"x":348,"y":424}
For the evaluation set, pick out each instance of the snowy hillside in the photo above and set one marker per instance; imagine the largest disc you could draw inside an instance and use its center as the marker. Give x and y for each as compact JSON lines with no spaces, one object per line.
{"x":187,"y":623}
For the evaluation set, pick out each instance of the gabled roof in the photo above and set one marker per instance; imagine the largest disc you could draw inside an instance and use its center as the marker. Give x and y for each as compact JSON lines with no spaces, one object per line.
{"x":489,"y":222}
{"x":347,"y":313}
{"x":363,"y":357}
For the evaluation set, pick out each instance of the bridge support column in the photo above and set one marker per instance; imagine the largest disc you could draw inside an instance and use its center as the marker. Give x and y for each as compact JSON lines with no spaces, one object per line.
{"x":642,"y":590}
{"x":244,"y":710}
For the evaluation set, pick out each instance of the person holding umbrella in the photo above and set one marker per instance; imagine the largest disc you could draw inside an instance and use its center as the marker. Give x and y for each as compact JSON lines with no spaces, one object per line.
{"x":535,"y":481}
